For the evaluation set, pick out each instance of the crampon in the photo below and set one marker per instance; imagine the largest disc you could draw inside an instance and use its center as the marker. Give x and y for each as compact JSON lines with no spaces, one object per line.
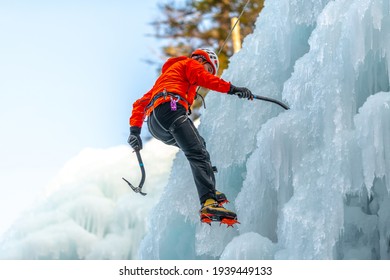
{"x":221,"y":202}
{"x":208,"y":218}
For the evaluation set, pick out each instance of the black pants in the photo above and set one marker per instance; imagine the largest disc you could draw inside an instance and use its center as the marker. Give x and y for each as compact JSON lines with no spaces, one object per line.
{"x":175,"y":128}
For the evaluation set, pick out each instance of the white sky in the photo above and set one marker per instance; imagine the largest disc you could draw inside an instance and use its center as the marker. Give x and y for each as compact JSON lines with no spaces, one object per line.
{"x":69,"y":73}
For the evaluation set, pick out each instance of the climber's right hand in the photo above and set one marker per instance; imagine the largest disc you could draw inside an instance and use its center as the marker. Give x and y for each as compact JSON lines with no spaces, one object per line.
{"x":134,"y":139}
{"x":241,"y":92}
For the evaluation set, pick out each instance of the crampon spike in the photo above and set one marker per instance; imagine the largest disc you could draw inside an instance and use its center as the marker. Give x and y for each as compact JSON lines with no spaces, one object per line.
{"x":221,"y":203}
{"x":229,"y":222}
{"x":206,"y":221}
{"x":204,"y":218}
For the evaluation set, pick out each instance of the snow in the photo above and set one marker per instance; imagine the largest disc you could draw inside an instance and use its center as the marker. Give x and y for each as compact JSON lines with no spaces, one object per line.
{"x":308,"y":183}
{"x":88,"y":211}
{"x":249,"y":246}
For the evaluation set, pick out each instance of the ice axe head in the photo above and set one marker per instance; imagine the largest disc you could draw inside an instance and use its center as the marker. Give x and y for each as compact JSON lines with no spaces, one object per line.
{"x":141,"y":165}
{"x":135,"y":189}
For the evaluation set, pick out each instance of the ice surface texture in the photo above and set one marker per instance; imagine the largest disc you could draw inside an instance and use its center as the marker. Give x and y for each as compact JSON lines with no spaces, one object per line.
{"x":312,"y":182}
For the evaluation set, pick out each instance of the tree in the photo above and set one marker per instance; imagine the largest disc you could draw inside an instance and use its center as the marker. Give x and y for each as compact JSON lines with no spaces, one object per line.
{"x":187,"y":25}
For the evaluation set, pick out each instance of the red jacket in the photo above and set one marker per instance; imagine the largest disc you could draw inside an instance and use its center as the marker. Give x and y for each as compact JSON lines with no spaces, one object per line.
{"x":181,"y":76}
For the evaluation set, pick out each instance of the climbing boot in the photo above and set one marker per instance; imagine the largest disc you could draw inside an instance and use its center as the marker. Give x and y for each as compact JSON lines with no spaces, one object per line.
{"x":212,"y":212}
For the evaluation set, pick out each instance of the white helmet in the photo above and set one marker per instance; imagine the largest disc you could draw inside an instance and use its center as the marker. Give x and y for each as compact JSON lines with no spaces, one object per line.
{"x":209,"y":56}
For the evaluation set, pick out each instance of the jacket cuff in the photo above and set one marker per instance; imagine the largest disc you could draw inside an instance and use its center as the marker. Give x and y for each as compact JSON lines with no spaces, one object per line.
{"x":232,"y":89}
{"x":135,"y":130}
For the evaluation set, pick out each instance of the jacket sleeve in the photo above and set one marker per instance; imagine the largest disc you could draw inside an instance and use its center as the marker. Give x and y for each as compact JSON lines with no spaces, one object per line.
{"x":197,"y":75}
{"x":138,"y":113}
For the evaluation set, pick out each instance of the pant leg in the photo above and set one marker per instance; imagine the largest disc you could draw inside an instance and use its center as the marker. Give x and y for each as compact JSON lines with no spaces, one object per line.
{"x":175,"y":128}
{"x":160,"y":120}
{"x":193,"y":145}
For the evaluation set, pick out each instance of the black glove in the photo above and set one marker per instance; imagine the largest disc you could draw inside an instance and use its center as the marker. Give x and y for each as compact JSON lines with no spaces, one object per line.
{"x":241,"y":92}
{"x":135,"y":138}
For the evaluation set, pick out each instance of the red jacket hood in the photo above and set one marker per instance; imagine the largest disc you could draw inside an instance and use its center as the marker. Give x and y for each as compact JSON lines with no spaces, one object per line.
{"x":172,"y":61}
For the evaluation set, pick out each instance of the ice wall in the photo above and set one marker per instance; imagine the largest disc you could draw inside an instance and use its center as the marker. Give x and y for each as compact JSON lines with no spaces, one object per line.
{"x":308,"y":183}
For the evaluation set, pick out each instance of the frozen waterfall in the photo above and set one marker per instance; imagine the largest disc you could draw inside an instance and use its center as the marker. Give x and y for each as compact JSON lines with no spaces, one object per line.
{"x":312,"y":182}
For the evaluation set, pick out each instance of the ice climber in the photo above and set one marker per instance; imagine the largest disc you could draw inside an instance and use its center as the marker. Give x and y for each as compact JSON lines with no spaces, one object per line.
{"x":167,"y":105}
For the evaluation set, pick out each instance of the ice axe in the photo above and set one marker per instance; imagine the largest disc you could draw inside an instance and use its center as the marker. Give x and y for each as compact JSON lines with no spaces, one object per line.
{"x":271,"y":100}
{"x":141,"y":165}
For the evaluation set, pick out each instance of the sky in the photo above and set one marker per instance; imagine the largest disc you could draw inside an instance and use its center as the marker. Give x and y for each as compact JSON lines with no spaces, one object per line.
{"x":69,"y":73}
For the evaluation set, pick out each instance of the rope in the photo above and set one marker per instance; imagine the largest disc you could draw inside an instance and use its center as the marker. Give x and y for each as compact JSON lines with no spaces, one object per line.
{"x":227,"y":38}
{"x":234,"y":26}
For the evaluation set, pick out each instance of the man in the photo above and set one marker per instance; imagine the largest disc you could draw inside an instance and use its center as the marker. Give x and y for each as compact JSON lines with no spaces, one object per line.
{"x":167,"y":105}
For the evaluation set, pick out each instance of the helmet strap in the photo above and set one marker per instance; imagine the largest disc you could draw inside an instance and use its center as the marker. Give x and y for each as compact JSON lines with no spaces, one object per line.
{"x":204,"y":60}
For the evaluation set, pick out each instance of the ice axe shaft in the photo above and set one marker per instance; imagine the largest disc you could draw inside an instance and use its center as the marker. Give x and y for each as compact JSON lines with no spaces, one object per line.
{"x":141,"y":165}
{"x":271,"y":100}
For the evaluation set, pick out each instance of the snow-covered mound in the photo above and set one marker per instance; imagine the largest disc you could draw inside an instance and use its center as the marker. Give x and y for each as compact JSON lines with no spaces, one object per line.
{"x":89,"y":212}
